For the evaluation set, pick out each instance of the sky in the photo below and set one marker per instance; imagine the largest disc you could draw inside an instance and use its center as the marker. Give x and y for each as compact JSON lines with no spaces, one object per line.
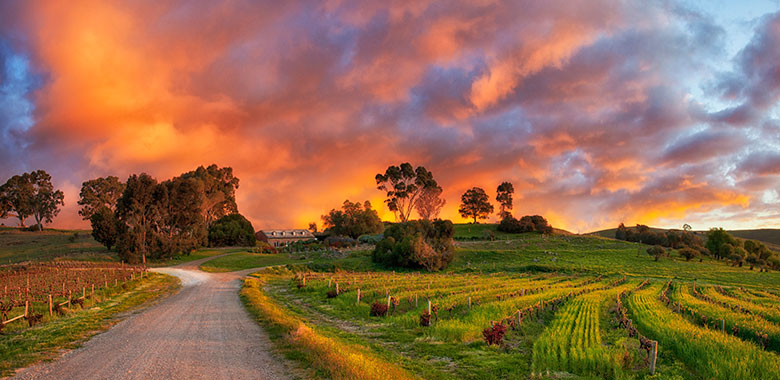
{"x":599,"y":112}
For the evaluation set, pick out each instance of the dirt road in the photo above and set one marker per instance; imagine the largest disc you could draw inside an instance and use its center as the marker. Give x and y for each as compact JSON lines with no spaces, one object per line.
{"x":201,"y":332}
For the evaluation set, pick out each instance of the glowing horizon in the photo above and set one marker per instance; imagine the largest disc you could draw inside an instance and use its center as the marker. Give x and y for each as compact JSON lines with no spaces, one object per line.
{"x":598,"y":112}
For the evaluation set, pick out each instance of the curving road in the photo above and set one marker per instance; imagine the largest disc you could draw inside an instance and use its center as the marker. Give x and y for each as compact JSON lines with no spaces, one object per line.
{"x":201,"y":332}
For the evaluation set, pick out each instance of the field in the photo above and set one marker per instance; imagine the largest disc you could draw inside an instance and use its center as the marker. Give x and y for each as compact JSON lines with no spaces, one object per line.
{"x":245,"y":260}
{"x":18,"y":246}
{"x":557,"y":298}
{"x":21,"y":345}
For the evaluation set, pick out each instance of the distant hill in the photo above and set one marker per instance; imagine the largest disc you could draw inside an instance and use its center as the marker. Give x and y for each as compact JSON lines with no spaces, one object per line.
{"x":769,"y":236}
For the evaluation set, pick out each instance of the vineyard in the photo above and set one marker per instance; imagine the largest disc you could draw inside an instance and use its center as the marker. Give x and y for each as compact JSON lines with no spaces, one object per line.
{"x":542,"y":325}
{"x":33,"y":293}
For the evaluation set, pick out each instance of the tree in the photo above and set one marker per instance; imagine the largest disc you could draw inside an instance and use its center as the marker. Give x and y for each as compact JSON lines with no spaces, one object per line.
{"x":178,"y":226}
{"x":656,"y":251}
{"x":686,"y":227}
{"x":403,"y":186}
{"x":504,"y":198}
{"x":136,"y":211}
{"x":31,"y":194}
{"x":688,"y":253}
{"x":104,"y":226}
{"x":99,"y":192}
{"x":430,"y":203}
{"x":232,"y":230}
{"x":475,"y":204}
{"x":219,"y":191}
{"x":16,"y":196}
{"x":353,"y":220}
{"x":716,"y":238}
{"x":622,"y":232}
{"x":313,"y":227}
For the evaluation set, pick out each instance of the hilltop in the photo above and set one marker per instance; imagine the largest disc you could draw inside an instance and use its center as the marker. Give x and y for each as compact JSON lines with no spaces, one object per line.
{"x":769,"y":236}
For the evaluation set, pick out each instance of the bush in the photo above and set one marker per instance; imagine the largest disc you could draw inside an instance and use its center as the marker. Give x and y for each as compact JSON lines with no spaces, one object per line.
{"x":425,"y":319}
{"x":378,"y":309}
{"x":688,"y":253}
{"x":332,"y":293}
{"x":232,"y":230}
{"x":371,"y":239}
{"x":527,"y":223}
{"x":494,"y":335}
{"x":657,"y":251}
{"x":263,"y":247}
{"x":340,"y":241}
{"x":417,"y":244}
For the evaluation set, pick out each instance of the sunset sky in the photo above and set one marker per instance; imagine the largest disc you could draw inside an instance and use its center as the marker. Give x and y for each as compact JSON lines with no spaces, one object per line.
{"x":656,"y":112}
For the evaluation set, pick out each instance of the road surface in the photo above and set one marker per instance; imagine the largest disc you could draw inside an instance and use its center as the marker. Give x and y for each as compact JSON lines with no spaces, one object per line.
{"x":201,"y":332}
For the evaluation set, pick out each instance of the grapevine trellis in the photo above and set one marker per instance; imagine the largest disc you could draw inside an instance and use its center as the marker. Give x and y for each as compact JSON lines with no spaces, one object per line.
{"x":53,"y":286}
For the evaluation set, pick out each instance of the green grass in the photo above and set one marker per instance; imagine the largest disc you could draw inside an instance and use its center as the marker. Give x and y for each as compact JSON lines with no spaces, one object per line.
{"x":246,"y":260}
{"x":18,"y":246}
{"x":23,"y":347}
{"x":197,"y":255}
{"x":453,"y":346}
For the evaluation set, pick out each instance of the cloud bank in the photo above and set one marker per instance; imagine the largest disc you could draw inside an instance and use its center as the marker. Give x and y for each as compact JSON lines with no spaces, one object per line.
{"x":599,"y":112}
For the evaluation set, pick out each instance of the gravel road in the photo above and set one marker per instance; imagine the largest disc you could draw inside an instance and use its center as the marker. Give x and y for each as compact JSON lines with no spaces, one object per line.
{"x":201,"y":332}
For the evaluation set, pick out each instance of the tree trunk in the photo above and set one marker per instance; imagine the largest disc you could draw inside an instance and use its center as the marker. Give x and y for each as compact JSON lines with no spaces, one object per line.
{"x":475,"y":218}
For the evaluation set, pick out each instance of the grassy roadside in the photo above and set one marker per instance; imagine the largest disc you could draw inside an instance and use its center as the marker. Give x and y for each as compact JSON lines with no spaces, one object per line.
{"x":327,"y":355}
{"x":245,"y":260}
{"x":22,"y":348}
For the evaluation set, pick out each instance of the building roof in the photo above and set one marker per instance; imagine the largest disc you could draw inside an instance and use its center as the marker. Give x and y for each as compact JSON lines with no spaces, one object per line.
{"x":286,"y":234}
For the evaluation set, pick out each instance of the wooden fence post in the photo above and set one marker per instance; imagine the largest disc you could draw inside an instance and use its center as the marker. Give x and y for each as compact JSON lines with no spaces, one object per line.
{"x":70,"y":294}
{"x":429,"y":307}
{"x":358,"y":297}
{"x":388,"y":304}
{"x":51,"y":313}
{"x":723,"y":325}
{"x":337,"y":287}
{"x":26,"y":308}
{"x":469,"y":302}
{"x":415,"y":300}
{"x":653,"y":355}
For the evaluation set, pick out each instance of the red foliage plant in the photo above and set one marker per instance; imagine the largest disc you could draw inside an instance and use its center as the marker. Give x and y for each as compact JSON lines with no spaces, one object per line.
{"x":378,"y":309}
{"x":494,"y":335}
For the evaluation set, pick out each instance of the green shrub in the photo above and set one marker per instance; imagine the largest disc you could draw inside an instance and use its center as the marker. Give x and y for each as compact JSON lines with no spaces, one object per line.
{"x":232,"y":230}
{"x":417,"y":244}
{"x":528,"y":223}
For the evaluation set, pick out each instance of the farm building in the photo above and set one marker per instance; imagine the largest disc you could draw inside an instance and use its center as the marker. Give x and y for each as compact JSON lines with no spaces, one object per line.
{"x":280,"y":238}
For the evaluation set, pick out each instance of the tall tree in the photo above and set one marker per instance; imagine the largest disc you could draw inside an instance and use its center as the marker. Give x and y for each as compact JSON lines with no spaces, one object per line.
{"x":353,"y":220}
{"x":16,"y":197}
{"x":178,"y":225}
{"x":504,"y":198}
{"x":31,"y":194}
{"x":136,"y":212}
{"x":99,"y":192}
{"x":403,"y":185}
{"x":104,"y":226}
{"x":46,"y":200}
{"x":430,"y":203}
{"x":475,"y":204}
{"x":219,"y":189}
